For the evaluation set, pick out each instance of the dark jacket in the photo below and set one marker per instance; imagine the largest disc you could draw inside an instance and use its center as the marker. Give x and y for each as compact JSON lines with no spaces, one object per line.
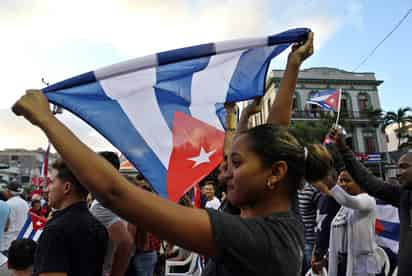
{"x":392,"y":194}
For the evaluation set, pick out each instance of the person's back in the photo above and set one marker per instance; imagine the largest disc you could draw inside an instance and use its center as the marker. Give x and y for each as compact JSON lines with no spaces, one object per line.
{"x":18,"y":215}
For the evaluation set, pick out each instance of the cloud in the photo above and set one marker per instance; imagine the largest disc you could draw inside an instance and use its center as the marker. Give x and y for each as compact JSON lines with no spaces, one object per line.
{"x":57,"y":39}
{"x":16,"y":132}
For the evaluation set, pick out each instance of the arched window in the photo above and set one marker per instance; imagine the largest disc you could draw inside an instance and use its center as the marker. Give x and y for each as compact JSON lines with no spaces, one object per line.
{"x":345,"y":103}
{"x":363,"y":102}
{"x":371,"y":143}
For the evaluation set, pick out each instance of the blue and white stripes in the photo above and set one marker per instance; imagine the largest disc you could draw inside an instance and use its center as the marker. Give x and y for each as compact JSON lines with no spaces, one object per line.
{"x":133,"y":103}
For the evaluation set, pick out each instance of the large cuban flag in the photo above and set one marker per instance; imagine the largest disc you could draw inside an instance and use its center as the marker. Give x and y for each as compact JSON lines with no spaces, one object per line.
{"x":164,"y":112}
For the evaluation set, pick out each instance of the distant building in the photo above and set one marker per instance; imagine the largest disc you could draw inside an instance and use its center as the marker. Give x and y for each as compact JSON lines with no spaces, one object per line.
{"x":360,"y":95}
{"x":22,"y":164}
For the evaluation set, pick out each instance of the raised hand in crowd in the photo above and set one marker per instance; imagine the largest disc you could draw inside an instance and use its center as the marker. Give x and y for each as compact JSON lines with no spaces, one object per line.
{"x":281,"y":110}
{"x":337,"y":135}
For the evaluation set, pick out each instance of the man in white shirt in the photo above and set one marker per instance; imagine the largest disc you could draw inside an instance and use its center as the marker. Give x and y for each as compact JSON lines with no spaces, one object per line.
{"x":208,"y":190}
{"x":18,"y":213}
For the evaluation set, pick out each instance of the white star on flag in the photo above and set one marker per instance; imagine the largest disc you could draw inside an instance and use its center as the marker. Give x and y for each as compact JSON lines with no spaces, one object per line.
{"x":39,"y":223}
{"x":203,"y":157}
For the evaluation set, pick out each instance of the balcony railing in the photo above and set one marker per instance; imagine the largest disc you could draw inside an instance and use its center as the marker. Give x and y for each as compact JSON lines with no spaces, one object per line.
{"x":318,"y":114}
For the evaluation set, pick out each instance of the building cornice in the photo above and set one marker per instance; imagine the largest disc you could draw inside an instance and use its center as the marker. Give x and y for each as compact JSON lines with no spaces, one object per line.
{"x":331,"y":81}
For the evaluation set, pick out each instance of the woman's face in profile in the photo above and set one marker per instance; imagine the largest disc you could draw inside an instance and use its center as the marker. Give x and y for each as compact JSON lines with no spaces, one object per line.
{"x":246,"y":176}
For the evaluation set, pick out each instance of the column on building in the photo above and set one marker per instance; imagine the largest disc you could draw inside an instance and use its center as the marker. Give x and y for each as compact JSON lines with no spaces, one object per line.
{"x":359,"y":142}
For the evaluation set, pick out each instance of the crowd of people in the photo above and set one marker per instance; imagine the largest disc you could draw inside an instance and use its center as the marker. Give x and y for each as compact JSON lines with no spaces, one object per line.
{"x":282,"y":207}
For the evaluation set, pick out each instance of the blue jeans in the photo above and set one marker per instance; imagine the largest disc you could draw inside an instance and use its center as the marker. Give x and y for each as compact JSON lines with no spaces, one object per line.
{"x":307,"y":257}
{"x":144,"y":263}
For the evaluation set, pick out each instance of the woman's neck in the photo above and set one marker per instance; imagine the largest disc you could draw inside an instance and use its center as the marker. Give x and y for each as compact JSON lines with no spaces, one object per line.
{"x":266,"y":207}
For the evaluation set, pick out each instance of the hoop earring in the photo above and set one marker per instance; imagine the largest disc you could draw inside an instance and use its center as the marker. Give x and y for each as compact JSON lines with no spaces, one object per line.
{"x":270,"y":185}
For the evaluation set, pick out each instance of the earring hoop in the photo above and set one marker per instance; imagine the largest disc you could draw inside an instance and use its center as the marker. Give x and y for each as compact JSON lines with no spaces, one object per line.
{"x":270,"y":185}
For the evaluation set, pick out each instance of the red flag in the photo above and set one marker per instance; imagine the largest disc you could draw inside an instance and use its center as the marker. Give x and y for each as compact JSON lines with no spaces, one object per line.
{"x":198,"y":199}
{"x":45,"y":166}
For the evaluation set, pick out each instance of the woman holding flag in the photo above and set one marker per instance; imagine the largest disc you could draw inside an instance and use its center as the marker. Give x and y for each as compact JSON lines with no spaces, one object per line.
{"x":267,"y":164}
{"x":352,"y":246}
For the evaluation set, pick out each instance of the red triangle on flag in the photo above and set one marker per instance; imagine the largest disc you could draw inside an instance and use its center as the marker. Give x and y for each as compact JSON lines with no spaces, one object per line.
{"x":379,"y":228}
{"x":37,"y":221}
{"x":197,"y":150}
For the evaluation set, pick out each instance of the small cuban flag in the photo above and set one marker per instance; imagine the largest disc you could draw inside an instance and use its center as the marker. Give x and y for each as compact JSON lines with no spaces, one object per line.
{"x":387,"y":226}
{"x":32,"y":228}
{"x":164,"y":112}
{"x":327,"y":99}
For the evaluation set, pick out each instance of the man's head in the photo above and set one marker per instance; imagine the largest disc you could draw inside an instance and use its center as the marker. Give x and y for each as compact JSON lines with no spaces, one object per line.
{"x":405,"y":170}
{"x":112,"y":158}
{"x":65,"y":187}
{"x":36,"y":204}
{"x":36,"y":197}
{"x":208,"y":189}
{"x":21,"y":255}
{"x":10,"y":189}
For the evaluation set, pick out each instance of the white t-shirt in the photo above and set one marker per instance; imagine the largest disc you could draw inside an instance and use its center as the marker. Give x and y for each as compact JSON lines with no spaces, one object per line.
{"x":19,"y":210}
{"x":107,"y":218}
{"x":213,"y":204}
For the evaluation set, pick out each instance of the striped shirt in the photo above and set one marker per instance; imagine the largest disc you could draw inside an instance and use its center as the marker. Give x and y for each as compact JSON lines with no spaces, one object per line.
{"x":307,"y":205}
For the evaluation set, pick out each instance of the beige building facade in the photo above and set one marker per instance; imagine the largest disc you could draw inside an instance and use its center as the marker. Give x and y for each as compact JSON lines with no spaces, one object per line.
{"x":360,"y":95}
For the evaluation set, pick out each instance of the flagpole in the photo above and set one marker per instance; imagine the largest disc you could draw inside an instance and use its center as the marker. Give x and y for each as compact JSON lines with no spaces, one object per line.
{"x":339,"y":107}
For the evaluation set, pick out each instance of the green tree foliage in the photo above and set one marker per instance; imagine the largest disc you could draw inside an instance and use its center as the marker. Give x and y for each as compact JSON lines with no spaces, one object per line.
{"x":400,"y":118}
{"x":314,"y":131}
